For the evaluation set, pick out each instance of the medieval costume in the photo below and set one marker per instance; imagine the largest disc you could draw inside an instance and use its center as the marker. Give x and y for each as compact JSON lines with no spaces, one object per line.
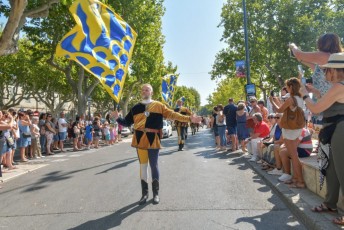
{"x":147,"y":117}
{"x":182,"y":126}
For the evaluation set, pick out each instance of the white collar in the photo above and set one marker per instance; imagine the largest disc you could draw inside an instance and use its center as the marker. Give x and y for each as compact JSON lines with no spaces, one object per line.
{"x":146,"y":102}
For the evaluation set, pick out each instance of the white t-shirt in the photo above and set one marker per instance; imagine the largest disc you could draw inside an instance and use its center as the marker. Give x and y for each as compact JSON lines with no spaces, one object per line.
{"x":62,"y":121}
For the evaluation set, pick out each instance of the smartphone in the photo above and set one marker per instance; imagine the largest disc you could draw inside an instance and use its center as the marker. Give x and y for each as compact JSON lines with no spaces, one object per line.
{"x":299,"y":67}
{"x":303,"y":81}
{"x":291,"y":53}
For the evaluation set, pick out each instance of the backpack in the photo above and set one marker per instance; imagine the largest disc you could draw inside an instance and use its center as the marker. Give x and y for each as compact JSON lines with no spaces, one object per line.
{"x":293,"y":119}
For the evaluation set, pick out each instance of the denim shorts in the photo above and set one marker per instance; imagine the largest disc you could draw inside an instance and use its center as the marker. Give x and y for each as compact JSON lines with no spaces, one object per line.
{"x":62,"y":136}
{"x":23,"y":142}
{"x":232,"y":130}
{"x":4,"y":149}
{"x":56,"y":137}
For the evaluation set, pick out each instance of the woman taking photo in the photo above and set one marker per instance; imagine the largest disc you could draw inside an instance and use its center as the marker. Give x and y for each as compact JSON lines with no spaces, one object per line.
{"x":291,"y":135}
{"x":24,"y":130}
{"x":332,"y":106}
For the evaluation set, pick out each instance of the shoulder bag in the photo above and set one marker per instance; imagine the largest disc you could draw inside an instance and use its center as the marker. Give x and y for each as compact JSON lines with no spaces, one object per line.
{"x":293,"y":119}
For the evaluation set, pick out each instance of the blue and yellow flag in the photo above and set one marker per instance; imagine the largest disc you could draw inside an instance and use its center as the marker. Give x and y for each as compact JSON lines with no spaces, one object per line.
{"x":168,"y":87}
{"x":101,"y":42}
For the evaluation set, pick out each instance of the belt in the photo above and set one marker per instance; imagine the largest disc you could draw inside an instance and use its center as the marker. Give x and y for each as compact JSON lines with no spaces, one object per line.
{"x":147,"y":130}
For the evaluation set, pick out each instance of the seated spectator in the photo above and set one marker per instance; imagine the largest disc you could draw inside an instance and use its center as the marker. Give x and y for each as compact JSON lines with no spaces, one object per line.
{"x":304,"y":149}
{"x":267,"y":145}
{"x":260,"y":131}
{"x":274,"y":149}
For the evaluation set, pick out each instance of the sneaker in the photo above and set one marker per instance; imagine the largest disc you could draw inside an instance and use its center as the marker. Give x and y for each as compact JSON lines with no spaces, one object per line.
{"x":276,"y":171}
{"x":253,"y":159}
{"x":285,"y":177}
{"x":260,"y":161}
{"x":247,"y":155}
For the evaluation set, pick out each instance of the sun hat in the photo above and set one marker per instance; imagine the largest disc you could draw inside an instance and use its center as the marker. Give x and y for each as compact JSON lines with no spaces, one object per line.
{"x":335,"y":60}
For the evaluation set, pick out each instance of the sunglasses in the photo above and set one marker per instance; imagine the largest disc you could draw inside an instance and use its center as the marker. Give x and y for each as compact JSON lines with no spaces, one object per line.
{"x":277,"y":118}
{"x":325,"y":70}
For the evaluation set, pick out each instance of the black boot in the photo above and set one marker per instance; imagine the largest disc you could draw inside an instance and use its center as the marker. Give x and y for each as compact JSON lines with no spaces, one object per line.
{"x":144,"y":186}
{"x":180,"y":147}
{"x":155,"y":187}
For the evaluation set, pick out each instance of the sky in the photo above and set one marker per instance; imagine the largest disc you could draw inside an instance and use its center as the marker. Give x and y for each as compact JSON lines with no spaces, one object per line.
{"x":192,"y":41}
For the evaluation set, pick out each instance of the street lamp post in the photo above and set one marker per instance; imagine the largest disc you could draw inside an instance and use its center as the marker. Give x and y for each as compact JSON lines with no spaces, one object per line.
{"x":248,"y":77}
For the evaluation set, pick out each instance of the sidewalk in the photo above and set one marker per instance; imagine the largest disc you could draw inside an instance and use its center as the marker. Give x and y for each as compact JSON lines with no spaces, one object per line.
{"x":299,"y":201}
{"x":32,"y":165}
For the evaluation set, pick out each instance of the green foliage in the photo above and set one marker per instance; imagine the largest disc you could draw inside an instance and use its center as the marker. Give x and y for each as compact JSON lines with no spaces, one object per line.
{"x":192,"y":97}
{"x":272,"y":24}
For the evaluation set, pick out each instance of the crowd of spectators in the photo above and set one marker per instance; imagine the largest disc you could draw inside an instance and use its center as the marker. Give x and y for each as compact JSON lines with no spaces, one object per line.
{"x":35,"y":135}
{"x":320,"y":101}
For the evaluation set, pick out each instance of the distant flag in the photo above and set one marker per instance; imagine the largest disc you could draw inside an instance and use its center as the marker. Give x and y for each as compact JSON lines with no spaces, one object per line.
{"x":168,"y":87}
{"x":101,"y":42}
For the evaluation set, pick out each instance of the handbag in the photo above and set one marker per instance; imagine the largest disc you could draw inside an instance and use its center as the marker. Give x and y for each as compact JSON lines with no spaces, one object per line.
{"x":26,"y":134}
{"x":293,"y":119}
{"x":10,"y":141}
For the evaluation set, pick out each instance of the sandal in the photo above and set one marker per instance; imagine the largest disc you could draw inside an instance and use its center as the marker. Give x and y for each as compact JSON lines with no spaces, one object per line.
{"x":297,"y":185}
{"x":292,"y":181}
{"x":323,"y":208}
{"x":339,"y":220}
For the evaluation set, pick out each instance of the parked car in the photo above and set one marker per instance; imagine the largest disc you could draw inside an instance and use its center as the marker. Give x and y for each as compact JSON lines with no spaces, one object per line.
{"x":166,"y":129}
{"x":125,"y":132}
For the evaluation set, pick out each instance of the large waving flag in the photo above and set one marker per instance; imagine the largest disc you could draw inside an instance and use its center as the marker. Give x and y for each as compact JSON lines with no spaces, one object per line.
{"x":101,"y":42}
{"x":168,"y":87}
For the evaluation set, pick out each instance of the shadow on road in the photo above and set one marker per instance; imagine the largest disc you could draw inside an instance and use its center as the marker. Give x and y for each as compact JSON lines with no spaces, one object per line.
{"x":113,"y":220}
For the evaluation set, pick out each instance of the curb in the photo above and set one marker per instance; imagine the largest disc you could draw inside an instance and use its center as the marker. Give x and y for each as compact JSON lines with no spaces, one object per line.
{"x":27,"y":169}
{"x":299,"y":201}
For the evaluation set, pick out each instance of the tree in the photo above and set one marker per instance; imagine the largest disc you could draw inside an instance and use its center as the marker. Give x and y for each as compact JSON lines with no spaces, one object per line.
{"x":191,"y":95}
{"x":18,"y":12}
{"x":272,"y":25}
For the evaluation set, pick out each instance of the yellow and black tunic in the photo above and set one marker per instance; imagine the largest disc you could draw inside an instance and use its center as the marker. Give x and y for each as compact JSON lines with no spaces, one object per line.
{"x":147,"y":120}
{"x":184,"y":111}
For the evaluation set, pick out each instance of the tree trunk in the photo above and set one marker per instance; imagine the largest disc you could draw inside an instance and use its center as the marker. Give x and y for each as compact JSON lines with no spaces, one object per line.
{"x":9,"y":37}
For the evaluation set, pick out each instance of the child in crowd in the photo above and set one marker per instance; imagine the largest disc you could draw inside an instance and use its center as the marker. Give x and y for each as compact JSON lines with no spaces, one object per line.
{"x":106,"y":130}
{"x":35,"y":135}
{"x":89,"y":135}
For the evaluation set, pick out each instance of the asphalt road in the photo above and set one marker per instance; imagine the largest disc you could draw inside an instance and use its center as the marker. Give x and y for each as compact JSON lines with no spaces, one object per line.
{"x":199,"y":189}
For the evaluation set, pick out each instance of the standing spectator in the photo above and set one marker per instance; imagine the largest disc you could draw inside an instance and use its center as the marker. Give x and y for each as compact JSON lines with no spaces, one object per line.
{"x":264,"y":111}
{"x":16,"y":135}
{"x":56,"y":134}
{"x":231,"y":122}
{"x":24,"y":130}
{"x":42,"y":138}
{"x":35,"y":145}
{"x":332,"y":105}
{"x":106,"y":129}
{"x":63,"y":125}
{"x":89,"y":135}
{"x":241,"y":116}
{"x":3,"y":127}
{"x":9,"y":141}
{"x":221,"y":126}
{"x":76,"y":134}
{"x":119,"y":130}
{"x":50,"y":131}
{"x":291,"y":136}
{"x":97,"y":132}
{"x":215,"y":129}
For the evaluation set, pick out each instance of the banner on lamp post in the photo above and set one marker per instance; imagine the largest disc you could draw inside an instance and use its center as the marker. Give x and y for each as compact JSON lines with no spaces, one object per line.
{"x":240,"y":68}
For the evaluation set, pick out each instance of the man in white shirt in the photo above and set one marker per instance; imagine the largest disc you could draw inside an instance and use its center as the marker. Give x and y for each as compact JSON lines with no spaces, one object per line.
{"x":62,"y":130}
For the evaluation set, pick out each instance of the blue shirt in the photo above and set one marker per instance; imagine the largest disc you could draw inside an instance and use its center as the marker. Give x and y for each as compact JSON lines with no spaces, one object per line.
{"x":89,"y":129}
{"x":278,"y":133}
{"x":230,"y":112}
